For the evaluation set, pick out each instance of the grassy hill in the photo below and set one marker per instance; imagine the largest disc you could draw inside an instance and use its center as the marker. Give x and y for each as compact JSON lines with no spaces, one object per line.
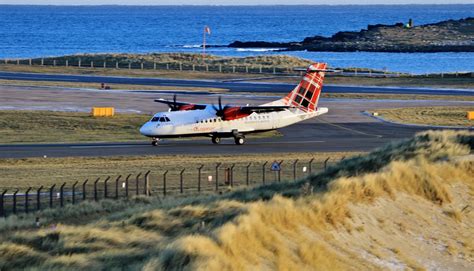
{"x":405,"y":206}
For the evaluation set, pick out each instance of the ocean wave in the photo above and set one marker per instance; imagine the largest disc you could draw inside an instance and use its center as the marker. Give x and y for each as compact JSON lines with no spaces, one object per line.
{"x":192,"y":46}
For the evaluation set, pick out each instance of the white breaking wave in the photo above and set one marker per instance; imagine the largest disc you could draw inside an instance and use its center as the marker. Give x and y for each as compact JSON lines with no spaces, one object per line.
{"x":192,"y":46}
{"x":257,"y":49}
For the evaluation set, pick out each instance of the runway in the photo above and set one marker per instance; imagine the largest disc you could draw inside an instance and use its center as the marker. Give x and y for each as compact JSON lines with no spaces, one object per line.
{"x":232,"y":86}
{"x":311,"y":136}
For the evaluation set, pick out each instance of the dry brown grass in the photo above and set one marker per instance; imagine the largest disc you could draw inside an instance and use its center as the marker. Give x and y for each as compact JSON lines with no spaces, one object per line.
{"x":280,"y":226}
{"x":436,"y":115}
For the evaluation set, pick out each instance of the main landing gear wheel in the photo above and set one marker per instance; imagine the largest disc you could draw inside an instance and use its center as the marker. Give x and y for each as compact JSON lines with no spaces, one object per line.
{"x":216,"y":140}
{"x":154,"y":142}
{"x":240,"y":140}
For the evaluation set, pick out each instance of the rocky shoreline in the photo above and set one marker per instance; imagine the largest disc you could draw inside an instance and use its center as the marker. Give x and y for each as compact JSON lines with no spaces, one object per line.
{"x":445,"y":36}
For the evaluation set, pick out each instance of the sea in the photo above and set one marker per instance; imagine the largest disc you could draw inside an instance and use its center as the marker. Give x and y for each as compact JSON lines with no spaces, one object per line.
{"x":40,"y":31}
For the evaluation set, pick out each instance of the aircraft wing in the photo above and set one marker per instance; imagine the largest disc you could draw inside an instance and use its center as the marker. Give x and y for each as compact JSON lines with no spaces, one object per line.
{"x":264,"y":108}
{"x":180,"y":104}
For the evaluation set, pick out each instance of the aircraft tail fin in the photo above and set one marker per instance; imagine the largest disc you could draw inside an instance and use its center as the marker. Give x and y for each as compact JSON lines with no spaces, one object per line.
{"x":306,"y":94}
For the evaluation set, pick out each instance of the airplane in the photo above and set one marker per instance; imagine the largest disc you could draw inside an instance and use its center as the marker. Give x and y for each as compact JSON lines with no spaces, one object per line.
{"x":217,"y":121}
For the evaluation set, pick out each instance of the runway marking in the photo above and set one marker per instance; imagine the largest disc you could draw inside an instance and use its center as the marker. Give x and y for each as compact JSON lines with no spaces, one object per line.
{"x":349,"y":129}
{"x":104,"y":146}
{"x":172,"y":144}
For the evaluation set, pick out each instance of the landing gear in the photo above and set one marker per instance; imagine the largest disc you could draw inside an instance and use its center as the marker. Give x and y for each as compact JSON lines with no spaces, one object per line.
{"x":239,"y":140}
{"x":216,"y":140}
{"x":154,"y":142}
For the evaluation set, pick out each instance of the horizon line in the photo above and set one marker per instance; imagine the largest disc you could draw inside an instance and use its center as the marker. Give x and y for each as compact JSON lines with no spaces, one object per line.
{"x":231,"y":5}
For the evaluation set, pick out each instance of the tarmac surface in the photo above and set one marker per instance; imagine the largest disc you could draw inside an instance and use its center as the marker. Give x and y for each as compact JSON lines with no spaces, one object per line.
{"x":232,"y":86}
{"x":311,"y":136}
{"x":344,"y":128}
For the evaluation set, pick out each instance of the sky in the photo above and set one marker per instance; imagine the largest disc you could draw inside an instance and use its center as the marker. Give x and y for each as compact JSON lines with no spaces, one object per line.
{"x":227,"y":2}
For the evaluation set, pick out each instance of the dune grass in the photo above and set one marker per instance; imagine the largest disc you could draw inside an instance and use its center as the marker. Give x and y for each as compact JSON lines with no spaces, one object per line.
{"x":386,"y":209}
{"x":436,"y":115}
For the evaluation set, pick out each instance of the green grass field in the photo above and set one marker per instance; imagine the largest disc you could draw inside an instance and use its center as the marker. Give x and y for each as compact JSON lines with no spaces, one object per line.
{"x":436,"y":115}
{"x":54,"y":127}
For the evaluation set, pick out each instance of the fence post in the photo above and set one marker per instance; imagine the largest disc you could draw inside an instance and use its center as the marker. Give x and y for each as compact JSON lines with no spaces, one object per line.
{"x":310,"y":165}
{"x":181,"y":181}
{"x":220,"y":67}
{"x":207,"y":68}
{"x":154,"y":65}
{"x":233,"y":69}
{"x":326,"y":163}
{"x":141,"y":65}
{"x":260,"y":69}
{"x":27,"y":199}
{"x":38,"y":198}
{"x":232,"y":175}
{"x":92,"y":64}
{"x":164,"y":183}
{"x":180,"y":66}
{"x":51,"y":190}
{"x":129,"y":66}
{"x":79,"y":63}
{"x":247,"y":174}
{"x":263,"y":171}
{"x":30,"y":62}
{"x":294,"y":169}
{"x":2,"y":205}
{"x":42,"y":62}
{"x":194,"y":68}
{"x":147,"y":184}
{"x":84,"y":189}
{"x":61,"y":194}
{"x":217,"y":176}
{"x":14,"y":201}
{"x":74,"y":192}
{"x":246,"y":69}
{"x":54,"y":62}
{"x":199,"y":177}
{"x":167,"y":66}
{"x":274,"y":70}
{"x":116,"y":65}
{"x":105,"y":187}
{"x":137,"y":182}
{"x":116,"y":186}
{"x":279,"y":171}
{"x":126,"y":185}
{"x":95,"y":189}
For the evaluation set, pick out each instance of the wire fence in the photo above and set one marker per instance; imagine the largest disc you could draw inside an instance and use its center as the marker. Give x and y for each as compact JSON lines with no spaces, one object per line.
{"x":208,"y":67}
{"x":204,"y":179}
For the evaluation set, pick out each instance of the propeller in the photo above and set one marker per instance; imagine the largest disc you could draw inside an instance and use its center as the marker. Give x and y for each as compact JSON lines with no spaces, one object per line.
{"x":220,"y":111}
{"x":174,"y":106}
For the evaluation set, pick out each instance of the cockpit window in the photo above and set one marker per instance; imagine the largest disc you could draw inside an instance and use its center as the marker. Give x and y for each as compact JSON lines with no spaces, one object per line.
{"x":162,"y":119}
{"x":167,"y":119}
{"x":155,"y":119}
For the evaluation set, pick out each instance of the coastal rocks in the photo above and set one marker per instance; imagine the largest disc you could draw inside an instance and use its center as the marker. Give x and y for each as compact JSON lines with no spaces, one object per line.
{"x":446,"y":36}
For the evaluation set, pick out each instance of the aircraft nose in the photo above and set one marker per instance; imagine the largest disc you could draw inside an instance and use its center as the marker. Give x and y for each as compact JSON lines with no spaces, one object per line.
{"x":145,"y":129}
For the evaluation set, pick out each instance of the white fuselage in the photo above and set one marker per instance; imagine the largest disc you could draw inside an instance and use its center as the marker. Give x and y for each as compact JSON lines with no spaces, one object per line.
{"x":205,"y":122}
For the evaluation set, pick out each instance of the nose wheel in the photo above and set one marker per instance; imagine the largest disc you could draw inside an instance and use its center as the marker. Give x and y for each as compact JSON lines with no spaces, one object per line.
{"x":154,"y":142}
